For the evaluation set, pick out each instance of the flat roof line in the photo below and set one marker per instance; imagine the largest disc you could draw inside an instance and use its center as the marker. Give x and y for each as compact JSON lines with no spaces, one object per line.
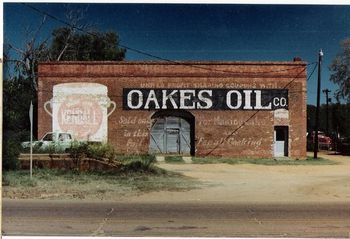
{"x":184,"y":63}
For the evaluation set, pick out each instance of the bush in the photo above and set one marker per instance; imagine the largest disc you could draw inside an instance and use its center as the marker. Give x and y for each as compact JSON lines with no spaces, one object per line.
{"x":12,"y":148}
{"x":78,"y":151}
{"x":11,"y":151}
{"x":101,"y":151}
{"x":139,"y":163}
{"x":52,"y":148}
{"x":81,"y":150}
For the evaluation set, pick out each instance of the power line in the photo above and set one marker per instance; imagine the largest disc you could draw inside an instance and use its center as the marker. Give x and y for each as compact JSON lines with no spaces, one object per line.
{"x":181,"y":63}
{"x":255,"y":113}
{"x":289,"y":92}
{"x":243,"y":123}
{"x":312,"y":72}
{"x":151,"y":55}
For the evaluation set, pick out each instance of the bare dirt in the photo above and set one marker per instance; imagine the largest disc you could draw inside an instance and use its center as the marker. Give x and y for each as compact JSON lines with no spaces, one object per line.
{"x":213,"y":183}
{"x":247,"y":183}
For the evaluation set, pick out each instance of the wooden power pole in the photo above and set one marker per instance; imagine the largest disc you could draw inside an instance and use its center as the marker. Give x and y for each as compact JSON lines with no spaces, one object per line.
{"x":320,"y":55}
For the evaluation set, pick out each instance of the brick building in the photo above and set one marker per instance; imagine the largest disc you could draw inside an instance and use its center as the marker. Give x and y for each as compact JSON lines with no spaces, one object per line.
{"x":236,"y":109}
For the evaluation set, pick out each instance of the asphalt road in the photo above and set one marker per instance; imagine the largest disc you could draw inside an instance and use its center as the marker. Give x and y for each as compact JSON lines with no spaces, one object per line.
{"x":69,"y":218}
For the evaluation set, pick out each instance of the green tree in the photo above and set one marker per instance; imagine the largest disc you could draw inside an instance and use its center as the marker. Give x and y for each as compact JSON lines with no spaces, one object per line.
{"x":340,"y":118}
{"x":17,"y":94}
{"x":338,"y":115}
{"x":68,"y":45}
{"x":340,"y":71}
{"x":21,"y":65}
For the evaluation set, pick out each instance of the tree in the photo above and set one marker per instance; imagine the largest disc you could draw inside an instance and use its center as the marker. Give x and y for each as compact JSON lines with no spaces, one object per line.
{"x":20,"y":86}
{"x":340,"y":71}
{"x":21,"y":65}
{"x":68,"y":45}
{"x":18,"y":92}
{"x":26,"y":59}
{"x":338,"y":118}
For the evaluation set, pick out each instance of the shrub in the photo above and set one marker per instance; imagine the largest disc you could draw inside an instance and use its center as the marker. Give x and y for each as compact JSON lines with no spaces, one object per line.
{"x":12,"y":148}
{"x":139,"y":163}
{"x":11,"y":151}
{"x":52,"y":148}
{"x":78,"y":151}
{"x":101,"y":151}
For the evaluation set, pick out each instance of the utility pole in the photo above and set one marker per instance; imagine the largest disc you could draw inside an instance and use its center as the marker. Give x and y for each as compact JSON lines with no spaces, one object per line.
{"x":320,"y":55}
{"x":31,"y":139}
{"x":326,"y":91}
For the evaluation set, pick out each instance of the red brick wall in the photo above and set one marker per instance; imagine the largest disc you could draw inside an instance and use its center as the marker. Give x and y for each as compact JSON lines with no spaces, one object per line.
{"x":129,"y":130}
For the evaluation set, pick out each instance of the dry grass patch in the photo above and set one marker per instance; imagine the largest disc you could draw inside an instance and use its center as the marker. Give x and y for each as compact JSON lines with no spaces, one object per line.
{"x":281,"y":161}
{"x":60,"y":184}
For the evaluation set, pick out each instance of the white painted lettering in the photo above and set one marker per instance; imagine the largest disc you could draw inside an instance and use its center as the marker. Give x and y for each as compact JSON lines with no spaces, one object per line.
{"x":229,"y":100}
{"x":152,"y":97}
{"x":185,"y":96}
{"x":258,"y":105}
{"x":247,"y":100}
{"x":169,"y":97}
{"x":139,"y":102}
{"x":203,"y":99}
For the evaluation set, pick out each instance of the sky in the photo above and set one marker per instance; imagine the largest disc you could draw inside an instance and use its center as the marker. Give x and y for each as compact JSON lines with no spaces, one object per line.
{"x":208,"y":32}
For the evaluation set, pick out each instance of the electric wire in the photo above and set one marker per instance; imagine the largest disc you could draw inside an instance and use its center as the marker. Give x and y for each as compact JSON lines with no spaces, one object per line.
{"x":184,"y":64}
{"x":243,"y":123}
{"x":312,"y":72}
{"x":255,"y":113}
{"x":189,"y":64}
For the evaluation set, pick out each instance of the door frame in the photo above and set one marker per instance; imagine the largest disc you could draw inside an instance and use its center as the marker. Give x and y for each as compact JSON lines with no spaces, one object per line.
{"x":186,"y":115}
{"x":285,"y":130}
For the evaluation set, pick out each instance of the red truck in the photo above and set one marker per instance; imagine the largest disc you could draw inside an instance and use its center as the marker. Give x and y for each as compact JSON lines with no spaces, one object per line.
{"x":324,"y":142}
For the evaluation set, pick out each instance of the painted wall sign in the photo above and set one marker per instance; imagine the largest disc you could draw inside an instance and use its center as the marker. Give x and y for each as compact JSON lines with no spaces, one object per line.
{"x":81,"y":109}
{"x":205,"y":99}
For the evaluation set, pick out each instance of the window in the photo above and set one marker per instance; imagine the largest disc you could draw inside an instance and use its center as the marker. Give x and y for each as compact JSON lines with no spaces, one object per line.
{"x":64,"y":137}
{"x":48,"y":137}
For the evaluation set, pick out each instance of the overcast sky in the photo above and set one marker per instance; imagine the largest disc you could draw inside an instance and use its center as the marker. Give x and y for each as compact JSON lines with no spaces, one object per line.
{"x":205,"y":32}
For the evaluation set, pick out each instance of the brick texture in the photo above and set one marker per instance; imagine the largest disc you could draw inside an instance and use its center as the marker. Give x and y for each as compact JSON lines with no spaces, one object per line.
{"x":215,"y":131}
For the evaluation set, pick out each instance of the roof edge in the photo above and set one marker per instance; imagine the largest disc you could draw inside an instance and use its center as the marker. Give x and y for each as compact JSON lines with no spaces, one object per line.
{"x":173,"y":63}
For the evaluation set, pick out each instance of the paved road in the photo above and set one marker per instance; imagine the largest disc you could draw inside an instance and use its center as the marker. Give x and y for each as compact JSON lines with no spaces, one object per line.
{"x":24,"y":217}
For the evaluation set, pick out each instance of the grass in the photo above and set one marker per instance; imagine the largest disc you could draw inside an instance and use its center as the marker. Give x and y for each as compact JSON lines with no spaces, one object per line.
{"x":284,"y":161}
{"x":60,"y":184}
{"x":174,"y":159}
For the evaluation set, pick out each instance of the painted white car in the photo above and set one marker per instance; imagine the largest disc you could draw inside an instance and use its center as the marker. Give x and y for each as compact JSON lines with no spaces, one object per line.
{"x":57,"y":140}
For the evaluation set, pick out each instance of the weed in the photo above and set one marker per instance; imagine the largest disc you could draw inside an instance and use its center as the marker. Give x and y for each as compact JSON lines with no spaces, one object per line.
{"x":19,"y":178}
{"x":262,"y":161}
{"x":139,"y":163}
{"x":174,"y":159}
{"x":102,"y":185}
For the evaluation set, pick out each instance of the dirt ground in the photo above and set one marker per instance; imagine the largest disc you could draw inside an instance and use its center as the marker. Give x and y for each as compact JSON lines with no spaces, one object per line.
{"x":247,"y":183}
{"x":219,"y":183}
